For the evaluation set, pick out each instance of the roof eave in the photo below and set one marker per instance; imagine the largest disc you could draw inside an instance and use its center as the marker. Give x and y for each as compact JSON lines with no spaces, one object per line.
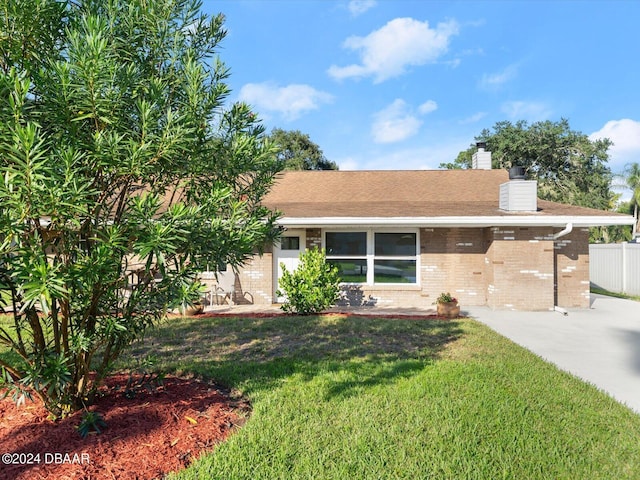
{"x":459,"y":221}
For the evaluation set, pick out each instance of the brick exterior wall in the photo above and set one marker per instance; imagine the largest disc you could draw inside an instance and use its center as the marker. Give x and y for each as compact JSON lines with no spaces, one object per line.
{"x":520,"y":267}
{"x":453,"y":260}
{"x":513,"y":268}
{"x":255,"y":280}
{"x":572,"y":269}
{"x":314,"y":238}
{"x":382,"y":296}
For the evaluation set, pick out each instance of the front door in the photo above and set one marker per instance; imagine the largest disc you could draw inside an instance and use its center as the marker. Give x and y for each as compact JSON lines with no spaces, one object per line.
{"x":287,"y":251}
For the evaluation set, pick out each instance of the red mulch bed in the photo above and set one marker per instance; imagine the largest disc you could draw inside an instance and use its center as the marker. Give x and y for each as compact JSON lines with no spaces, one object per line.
{"x":147,"y":436}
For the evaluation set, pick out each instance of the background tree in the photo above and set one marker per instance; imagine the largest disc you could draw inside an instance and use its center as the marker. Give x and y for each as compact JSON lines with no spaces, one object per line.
{"x":614,"y":233}
{"x":632,"y":179}
{"x":298,"y":152}
{"x":123,"y":174}
{"x":569,"y":167}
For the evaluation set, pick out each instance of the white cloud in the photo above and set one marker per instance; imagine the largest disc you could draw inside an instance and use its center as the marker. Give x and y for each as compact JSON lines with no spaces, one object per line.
{"x":455,"y":63}
{"x":426,"y":157}
{"x":291,"y":101}
{"x":395,"y":123}
{"x":625,"y":135}
{"x":529,"y":111}
{"x":358,"y":7}
{"x":398,"y":121}
{"x":476,"y":117}
{"x":497,"y":79}
{"x":428,"y":107}
{"x":402,"y":42}
{"x":347,"y":163}
{"x":472,"y":51}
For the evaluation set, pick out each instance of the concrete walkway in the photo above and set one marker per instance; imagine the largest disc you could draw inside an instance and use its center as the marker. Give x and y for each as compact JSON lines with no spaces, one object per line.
{"x":600,"y":345}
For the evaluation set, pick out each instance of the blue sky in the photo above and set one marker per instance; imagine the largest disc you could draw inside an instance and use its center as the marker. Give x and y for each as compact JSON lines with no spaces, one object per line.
{"x":399,"y":84}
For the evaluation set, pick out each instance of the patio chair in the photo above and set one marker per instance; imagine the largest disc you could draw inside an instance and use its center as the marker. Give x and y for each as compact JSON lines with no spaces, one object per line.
{"x":224,"y":289}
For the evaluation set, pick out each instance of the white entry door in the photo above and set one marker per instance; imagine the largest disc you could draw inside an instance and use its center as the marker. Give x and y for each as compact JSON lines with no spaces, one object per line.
{"x":287,"y":251}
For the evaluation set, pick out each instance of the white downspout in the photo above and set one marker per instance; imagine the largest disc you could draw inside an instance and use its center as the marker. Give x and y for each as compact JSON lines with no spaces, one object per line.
{"x":565,"y":231}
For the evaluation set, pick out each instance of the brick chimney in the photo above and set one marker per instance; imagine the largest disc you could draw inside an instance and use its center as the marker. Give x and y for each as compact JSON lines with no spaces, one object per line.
{"x":481,"y":159}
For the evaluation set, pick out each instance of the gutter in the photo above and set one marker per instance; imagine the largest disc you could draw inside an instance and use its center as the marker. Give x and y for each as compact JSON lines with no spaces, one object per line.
{"x":459,"y":221}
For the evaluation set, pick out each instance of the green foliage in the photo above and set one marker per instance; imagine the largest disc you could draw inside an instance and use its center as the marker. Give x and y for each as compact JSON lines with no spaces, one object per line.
{"x":8,"y":386}
{"x":298,"y":152}
{"x":445,"y":298}
{"x":602,"y":291}
{"x":91,"y":422}
{"x":123,"y":172}
{"x":142,"y":378}
{"x":569,"y":167}
{"x":32,"y":32}
{"x":312,"y":287}
{"x":632,"y":180}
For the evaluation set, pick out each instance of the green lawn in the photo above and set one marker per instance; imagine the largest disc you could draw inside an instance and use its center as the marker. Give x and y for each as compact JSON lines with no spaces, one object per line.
{"x":602,"y":291}
{"x":365,"y":398}
{"x":338,"y":398}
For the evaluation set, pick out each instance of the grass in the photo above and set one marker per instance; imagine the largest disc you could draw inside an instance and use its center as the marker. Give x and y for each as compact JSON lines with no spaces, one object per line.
{"x":341,"y":397}
{"x":6,"y":322}
{"x":602,"y":291}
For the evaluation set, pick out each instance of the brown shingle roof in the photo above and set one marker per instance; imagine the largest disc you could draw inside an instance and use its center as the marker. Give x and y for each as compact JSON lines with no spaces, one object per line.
{"x":391,"y":185}
{"x":400,"y":193}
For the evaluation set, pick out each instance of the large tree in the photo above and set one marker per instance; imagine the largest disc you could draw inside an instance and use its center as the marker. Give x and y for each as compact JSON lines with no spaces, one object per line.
{"x":632,"y":180}
{"x":124,"y":172}
{"x":298,"y":152}
{"x":569,"y":167}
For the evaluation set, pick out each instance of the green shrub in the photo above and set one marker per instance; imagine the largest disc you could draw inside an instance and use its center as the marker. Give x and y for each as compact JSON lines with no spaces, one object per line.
{"x":91,"y":422}
{"x":95,"y":243}
{"x":312,"y":287}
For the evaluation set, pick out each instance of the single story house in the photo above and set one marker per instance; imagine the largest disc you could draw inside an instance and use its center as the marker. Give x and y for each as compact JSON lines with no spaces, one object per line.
{"x":403,"y":237}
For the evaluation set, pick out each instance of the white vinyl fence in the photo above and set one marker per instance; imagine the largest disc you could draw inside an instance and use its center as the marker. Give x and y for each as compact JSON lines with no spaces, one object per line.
{"x":615,"y":267}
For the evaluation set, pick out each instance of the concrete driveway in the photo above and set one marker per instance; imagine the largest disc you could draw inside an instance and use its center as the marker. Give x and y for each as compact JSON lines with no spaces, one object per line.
{"x":600,"y":345}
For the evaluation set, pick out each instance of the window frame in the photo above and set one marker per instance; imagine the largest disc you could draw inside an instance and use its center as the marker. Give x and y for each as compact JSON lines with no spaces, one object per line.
{"x":358,"y":258}
{"x":371,"y":257}
{"x":288,"y":246}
